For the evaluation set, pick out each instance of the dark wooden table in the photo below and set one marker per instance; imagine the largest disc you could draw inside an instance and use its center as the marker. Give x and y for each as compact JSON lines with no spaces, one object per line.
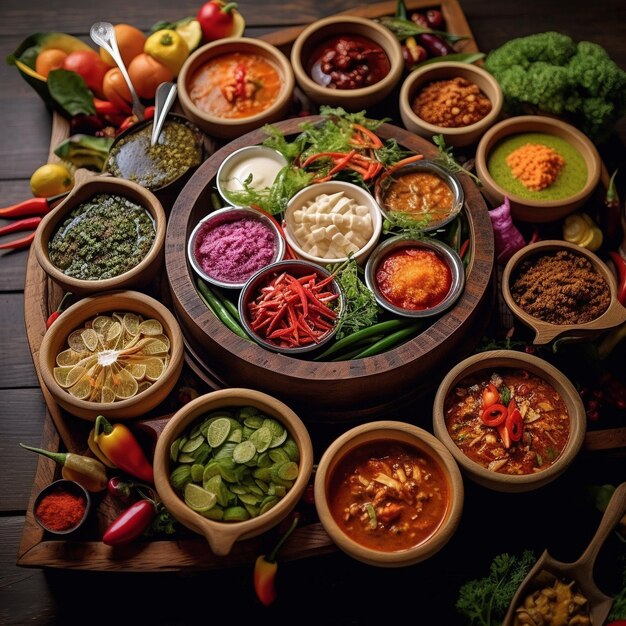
{"x":309,"y":587}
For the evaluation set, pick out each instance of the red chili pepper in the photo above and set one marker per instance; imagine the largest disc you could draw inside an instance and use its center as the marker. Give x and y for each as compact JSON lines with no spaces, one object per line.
{"x":611,"y":219}
{"x":130,"y":524}
{"x":464,"y":248}
{"x":494,"y":415}
{"x":148,"y":113}
{"x":25,"y":224}
{"x":620,"y":266}
{"x":106,"y":107}
{"x":32,"y":206}
{"x":504,"y":435}
{"x":491,"y":395}
{"x":514,"y":424}
{"x":119,"y":488}
{"x":54,"y":315}
{"x":18,"y":244}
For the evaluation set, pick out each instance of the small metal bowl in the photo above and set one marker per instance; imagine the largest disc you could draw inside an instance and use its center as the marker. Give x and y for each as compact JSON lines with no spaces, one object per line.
{"x":445,"y":252}
{"x":68,"y":486}
{"x":223,"y":216}
{"x":296,"y":268}
{"x":239,"y":166}
{"x":458,"y":196}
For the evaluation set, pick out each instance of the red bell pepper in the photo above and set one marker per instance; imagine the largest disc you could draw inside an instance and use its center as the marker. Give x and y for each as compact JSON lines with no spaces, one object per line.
{"x":514,"y":423}
{"x":490,"y":395}
{"x":494,"y":415}
{"x":130,"y":524}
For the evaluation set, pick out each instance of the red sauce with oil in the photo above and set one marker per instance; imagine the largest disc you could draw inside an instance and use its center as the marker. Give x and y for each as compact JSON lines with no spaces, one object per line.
{"x":414,"y":278}
{"x":348,"y":62}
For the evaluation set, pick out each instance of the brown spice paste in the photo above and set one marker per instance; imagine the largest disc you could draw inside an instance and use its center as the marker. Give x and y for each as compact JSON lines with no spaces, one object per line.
{"x":451,"y":103}
{"x":561,"y":288}
{"x":536,"y":166}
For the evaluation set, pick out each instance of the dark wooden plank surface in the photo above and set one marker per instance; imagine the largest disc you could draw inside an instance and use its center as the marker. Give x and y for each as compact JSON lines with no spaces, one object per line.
{"x":308,"y":588}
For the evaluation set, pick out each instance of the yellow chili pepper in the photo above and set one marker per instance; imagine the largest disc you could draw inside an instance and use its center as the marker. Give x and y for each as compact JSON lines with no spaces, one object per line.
{"x":168,"y":48}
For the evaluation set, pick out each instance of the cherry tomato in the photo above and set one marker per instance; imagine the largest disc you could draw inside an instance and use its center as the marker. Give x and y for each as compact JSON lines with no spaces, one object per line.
{"x":216,"y":20}
{"x":494,"y":415}
{"x":48,"y":60}
{"x":490,"y":395}
{"x":89,"y":65}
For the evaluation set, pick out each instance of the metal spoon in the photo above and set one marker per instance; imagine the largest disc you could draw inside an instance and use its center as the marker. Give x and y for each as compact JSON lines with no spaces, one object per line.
{"x":164,"y":99}
{"x":103,"y":34}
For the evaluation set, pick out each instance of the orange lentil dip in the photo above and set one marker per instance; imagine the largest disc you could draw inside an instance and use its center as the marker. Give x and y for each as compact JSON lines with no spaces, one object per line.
{"x":420,"y":194}
{"x":413,"y":278}
{"x":451,"y":103}
{"x":536,"y":166}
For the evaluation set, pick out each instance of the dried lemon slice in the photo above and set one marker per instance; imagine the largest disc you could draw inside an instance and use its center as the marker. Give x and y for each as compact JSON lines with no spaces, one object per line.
{"x":164,"y":338}
{"x":90,"y":338}
{"x":61,"y":373}
{"x":75,"y":341}
{"x":137,"y":371}
{"x":113,"y":334}
{"x":101,"y":323}
{"x":68,"y":357}
{"x":131,"y":323}
{"x":82,"y":389}
{"x":153,"y":346}
{"x":151,"y":327}
{"x":154,"y":369}
{"x":143,"y":386}
{"x":107,"y":395}
{"x":124,"y":385}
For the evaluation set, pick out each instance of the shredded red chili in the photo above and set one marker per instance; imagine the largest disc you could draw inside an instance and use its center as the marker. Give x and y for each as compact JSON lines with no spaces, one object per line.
{"x":61,"y":510}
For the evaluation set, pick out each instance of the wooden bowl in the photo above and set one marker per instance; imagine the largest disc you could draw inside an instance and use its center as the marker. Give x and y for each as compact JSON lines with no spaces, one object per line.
{"x":229,"y":128}
{"x":537,"y":210}
{"x":349,"y":99}
{"x":329,"y":391}
{"x":63,"y":486}
{"x":493,"y":360}
{"x":222,"y":535}
{"x":86,"y":188}
{"x":447,"y":70}
{"x":545,"y":332}
{"x":54,"y":341}
{"x":383,"y":432}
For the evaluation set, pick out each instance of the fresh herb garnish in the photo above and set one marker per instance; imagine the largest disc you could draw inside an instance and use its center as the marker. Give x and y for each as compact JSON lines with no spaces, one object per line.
{"x":485,"y":601}
{"x":404,"y":224}
{"x":446,"y":159}
{"x":163,"y":523}
{"x":505,"y":395}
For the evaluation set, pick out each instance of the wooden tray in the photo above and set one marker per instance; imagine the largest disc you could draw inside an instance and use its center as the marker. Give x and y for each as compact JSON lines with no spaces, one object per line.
{"x":65,"y":432}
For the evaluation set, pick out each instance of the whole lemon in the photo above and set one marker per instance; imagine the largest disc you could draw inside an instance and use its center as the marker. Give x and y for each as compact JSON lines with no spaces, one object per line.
{"x":51,"y":179}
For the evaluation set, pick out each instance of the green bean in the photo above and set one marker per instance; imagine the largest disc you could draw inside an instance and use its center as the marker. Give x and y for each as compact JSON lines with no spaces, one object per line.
{"x":215,"y":304}
{"x":390,"y":341}
{"x":350,"y":340}
{"x":356,"y":348}
{"x":230,"y":306}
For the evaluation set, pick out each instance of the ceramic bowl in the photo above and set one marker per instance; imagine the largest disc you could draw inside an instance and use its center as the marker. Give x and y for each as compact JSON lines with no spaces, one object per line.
{"x":349,"y":99}
{"x":447,"y":70}
{"x":143,"y":273}
{"x":498,"y":359}
{"x":55,"y":341}
{"x":225,"y":216}
{"x":296,"y":269}
{"x":525,"y":208}
{"x":222,"y":535}
{"x":384,"y":182}
{"x":229,"y":128}
{"x":444,"y":252}
{"x":63,"y":486}
{"x":260,"y":163}
{"x":308,"y":194}
{"x":545,"y":332}
{"x":381,"y":433}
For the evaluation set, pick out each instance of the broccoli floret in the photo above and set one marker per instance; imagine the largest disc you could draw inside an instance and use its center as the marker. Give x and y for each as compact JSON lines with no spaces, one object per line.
{"x":549,"y":73}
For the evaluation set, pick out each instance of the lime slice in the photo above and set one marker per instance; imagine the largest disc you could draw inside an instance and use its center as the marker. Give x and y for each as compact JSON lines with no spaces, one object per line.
{"x":151,"y":327}
{"x":218,"y":431}
{"x":191,"y":32}
{"x":180,"y":477}
{"x":198,"y":499}
{"x":174,"y":448}
{"x":244,"y":452}
{"x":196,"y":472}
{"x":235,"y":514}
{"x":261,"y":438}
{"x":192,"y":444}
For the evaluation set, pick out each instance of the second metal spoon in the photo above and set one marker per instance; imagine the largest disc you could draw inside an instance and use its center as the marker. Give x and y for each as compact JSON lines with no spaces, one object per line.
{"x":164,"y":99}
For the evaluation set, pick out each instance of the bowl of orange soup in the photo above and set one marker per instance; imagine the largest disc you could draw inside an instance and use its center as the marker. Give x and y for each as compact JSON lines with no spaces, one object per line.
{"x":388,"y":493}
{"x":232,"y":86}
{"x":512,"y":421}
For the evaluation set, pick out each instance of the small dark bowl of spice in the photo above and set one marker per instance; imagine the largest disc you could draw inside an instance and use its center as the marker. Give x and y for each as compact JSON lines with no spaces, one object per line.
{"x":561,"y":289}
{"x":62,"y":507}
{"x":457,"y":100}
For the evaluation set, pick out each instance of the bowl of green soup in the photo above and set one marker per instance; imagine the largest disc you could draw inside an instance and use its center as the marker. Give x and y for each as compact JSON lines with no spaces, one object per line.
{"x":546,"y":168}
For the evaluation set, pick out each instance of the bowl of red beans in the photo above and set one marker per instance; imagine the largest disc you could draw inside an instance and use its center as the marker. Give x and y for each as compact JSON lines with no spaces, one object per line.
{"x":414,"y":278}
{"x":388,"y":493}
{"x":347,"y":61}
{"x":291,"y":307}
{"x":512,"y":421}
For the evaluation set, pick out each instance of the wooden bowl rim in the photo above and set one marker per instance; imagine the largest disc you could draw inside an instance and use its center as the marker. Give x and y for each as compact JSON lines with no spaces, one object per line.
{"x":90,"y":186}
{"x":390,"y":430}
{"x":541,"y":368}
{"x":222,"y":535}
{"x":68,"y":485}
{"x":86,"y":308}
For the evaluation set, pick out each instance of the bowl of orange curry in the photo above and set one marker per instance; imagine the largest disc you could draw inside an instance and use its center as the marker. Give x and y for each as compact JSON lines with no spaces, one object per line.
{"x":388,"y":493}
{"x":232,"y":86}
{"x":512,"y":421}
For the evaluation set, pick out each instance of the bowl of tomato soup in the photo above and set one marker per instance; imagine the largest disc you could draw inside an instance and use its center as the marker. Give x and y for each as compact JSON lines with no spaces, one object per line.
{"x":388,"y":493}
{"x":232,"y":86}
{"x":347,"y":61}
{"x":511,"y":420}
{"x":414,"y":278}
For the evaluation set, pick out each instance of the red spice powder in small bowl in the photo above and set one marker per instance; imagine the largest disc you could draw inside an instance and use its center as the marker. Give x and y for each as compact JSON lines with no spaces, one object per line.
{"x":62,"y":506}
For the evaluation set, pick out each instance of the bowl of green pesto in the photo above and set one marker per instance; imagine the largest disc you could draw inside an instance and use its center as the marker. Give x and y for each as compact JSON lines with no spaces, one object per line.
{"x":107,"y":234}
{"x":179,"y":150}
{"x":546,"y":167}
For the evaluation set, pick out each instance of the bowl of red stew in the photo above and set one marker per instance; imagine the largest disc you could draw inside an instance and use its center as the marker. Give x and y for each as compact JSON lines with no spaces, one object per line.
{"x":388,"y":493}
{"x":512,"y":421}
{"x":232,"y":86}
{"x":415,"y":278}
{"x":347,"y":61}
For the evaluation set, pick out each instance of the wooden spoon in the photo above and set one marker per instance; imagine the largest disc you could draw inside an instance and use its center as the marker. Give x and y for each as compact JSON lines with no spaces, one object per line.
{"x":581,"y":571}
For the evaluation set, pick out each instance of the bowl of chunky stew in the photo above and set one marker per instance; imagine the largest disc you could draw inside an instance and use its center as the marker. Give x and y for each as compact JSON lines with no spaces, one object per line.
{"x":512,"y":421}
{"x":388,"y":493}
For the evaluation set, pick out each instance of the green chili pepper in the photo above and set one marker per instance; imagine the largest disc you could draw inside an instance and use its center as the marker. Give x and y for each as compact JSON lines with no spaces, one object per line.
{"x":389,"y":342}
{"x":215,"y":305}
